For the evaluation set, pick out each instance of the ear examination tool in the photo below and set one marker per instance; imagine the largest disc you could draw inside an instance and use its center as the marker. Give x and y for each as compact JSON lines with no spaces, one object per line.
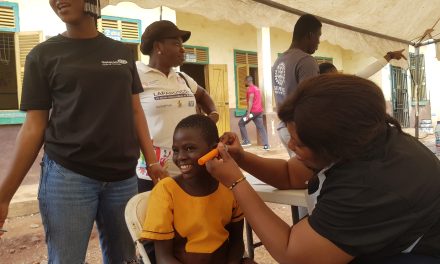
{"x":209,"y":156}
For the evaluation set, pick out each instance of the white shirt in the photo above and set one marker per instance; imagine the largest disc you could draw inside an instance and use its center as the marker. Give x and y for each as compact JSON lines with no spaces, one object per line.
{"x":372,"y":68}
{"x":166,"y":100}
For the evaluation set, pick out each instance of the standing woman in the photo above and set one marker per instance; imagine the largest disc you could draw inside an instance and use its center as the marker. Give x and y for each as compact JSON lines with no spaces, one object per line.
{"x":168,"y":96}
{"x":80,"y":91}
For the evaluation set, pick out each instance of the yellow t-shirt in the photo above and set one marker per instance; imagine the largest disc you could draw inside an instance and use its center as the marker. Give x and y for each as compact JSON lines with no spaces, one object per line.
{"x":201,"y":220}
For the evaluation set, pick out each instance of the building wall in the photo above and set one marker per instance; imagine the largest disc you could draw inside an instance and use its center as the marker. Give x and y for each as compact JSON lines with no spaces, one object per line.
{"x":221,"y":37}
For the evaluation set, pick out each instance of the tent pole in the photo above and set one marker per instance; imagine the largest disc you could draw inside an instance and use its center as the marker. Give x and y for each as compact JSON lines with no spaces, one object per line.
{"x":291,"y":10}
{"x":416,"y":90}
{"x":433,"y":41}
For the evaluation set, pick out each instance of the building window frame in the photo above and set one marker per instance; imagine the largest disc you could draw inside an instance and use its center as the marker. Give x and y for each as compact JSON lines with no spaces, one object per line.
{"x":239,"y":109}
{"x":423,"y":95}
{"x":195,"y":49}
{"x":124,"y":19}
{"x":15,"y":9}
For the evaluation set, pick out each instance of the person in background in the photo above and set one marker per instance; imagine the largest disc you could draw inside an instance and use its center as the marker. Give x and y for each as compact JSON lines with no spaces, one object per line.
{"x":80,"y":92}
{"x":293,"y":67}
{"x":327,"y":67}
{"x":254,"y":112}
{"x":379,"y":202}
{"x":168,"y":96}
{"x":296,"y":65}
{"x":192,"y":218}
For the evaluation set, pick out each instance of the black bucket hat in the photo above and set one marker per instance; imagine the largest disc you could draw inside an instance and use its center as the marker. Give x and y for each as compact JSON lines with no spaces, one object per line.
{"x":161,"y":30}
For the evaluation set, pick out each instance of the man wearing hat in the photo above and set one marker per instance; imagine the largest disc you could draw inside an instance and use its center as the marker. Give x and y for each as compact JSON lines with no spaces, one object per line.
{"x":168,"y":96}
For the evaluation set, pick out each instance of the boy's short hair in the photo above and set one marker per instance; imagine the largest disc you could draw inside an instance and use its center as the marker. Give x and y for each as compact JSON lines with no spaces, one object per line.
{"x":207,"y":127}
{"x":327,"y":67}
{"x":249,"y":78}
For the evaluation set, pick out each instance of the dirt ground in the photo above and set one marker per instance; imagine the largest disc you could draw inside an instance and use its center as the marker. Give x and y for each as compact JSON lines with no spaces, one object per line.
{"x":24,"y":242}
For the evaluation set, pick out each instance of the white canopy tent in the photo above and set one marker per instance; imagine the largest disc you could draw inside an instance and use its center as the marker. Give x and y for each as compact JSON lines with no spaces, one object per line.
{"x":368,"y":26}
{"x":372,"y":27}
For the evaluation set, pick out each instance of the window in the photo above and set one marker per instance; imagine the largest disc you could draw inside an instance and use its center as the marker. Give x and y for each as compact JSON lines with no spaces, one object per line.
{"x":419,"y":62}
{"x":119,"y":28}
{"x":9,"y":17}
{"x":320,"y":60}
{"x":246,"y":63}
{"x":196,"y":54}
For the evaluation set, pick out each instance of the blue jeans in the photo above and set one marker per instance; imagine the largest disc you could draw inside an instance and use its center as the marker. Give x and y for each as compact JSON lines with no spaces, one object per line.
{"x":70,"y":203}
{"x":259,"y":123}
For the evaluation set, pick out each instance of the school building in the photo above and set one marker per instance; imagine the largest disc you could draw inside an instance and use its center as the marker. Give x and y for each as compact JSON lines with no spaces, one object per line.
{"x":219,"y":55}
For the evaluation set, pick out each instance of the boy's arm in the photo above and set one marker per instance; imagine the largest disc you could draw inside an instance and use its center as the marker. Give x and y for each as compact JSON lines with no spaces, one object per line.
{"x":164,"y":252}
{"x":236,"y":244}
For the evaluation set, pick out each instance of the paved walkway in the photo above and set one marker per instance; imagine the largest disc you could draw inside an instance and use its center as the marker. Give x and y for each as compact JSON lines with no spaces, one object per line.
{"x":25,"y":200}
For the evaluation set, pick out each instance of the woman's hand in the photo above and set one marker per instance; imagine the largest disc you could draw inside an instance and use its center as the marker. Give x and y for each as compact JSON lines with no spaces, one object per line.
{"x":233,"y":143}
{"x":224,"y":169}
{"x":157,"y":172}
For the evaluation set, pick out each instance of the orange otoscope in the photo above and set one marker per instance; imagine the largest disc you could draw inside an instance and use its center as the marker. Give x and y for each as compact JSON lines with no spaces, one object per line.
{"x":208,"y":156}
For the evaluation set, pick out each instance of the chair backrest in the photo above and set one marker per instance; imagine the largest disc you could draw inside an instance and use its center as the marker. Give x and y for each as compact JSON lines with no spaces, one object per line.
{"x":135,"y":211}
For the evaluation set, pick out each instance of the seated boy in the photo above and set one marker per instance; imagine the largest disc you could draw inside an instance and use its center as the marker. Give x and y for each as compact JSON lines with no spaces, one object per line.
{"x":192,"y":218}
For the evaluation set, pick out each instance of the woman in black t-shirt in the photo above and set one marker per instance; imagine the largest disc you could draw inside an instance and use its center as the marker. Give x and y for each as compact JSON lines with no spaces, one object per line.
{"x":91,"y":138}
{"x":379,"y":202}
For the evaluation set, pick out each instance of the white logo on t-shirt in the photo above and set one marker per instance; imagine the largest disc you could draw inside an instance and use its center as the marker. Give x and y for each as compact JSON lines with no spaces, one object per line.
{"x":280,"y":74}
{"x":115,"y":62}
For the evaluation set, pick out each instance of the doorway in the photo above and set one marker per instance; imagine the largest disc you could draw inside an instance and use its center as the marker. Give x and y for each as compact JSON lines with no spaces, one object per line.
{"x":195,"y":71}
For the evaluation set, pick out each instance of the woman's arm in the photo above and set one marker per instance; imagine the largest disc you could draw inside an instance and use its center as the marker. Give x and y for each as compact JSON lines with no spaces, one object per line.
{"x":279,"y":173}
{"x":27,"y":145}
{"x":236,"y":244}
{"x":297,"y":244}
{"x":164,"y":252}
{"x":155,"y":171}
{"x":206,"y":103}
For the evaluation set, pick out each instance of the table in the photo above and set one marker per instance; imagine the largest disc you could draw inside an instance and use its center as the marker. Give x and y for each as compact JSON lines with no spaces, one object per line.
{"x":273,"y":195}
{"x":294,"y":198}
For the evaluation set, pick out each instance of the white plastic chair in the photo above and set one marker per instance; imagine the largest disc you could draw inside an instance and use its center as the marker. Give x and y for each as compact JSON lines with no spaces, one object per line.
{"x":134,"y":217}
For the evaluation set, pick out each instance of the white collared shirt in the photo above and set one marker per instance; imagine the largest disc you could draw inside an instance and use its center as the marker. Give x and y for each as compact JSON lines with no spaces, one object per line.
{"x":166,"y":100}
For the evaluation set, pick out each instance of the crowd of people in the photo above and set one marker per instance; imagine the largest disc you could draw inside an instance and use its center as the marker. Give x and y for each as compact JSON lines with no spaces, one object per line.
{"x":373,"y":190}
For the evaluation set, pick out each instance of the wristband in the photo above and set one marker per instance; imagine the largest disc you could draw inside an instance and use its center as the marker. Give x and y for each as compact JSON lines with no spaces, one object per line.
{"x":237,"y":182}
{"x":213,"y":112}
{"x":152,"y":164}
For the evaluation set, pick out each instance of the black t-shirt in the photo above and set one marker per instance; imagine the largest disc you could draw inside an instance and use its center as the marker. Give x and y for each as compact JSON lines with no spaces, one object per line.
{"x":381,"y":204}
{"x":88,"y":85}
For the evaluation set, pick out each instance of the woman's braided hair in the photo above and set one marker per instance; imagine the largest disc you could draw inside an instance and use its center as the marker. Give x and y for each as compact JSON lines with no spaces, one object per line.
{"x":93,"y":8}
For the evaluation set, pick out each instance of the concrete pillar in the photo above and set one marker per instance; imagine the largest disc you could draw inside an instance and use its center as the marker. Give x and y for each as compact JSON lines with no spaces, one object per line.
{"x":265,"y":83}
{"x":264,"y":67}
